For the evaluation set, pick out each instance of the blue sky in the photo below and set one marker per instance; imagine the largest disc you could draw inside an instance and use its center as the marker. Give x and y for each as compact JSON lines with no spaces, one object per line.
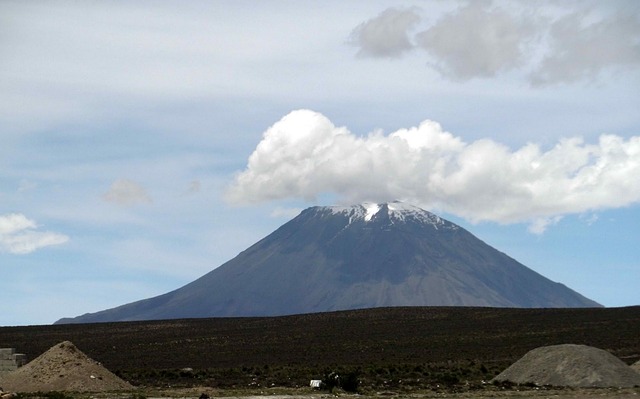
{"x":143,"y":144}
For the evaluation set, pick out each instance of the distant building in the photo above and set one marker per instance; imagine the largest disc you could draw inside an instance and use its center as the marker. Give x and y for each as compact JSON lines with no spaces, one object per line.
{"x":10,"y":360}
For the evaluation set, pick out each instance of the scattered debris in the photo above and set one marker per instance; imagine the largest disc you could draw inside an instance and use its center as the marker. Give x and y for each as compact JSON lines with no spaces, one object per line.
{"x":315,"y":383}
{"x":7,"y":395}
{"x":10,"y":360}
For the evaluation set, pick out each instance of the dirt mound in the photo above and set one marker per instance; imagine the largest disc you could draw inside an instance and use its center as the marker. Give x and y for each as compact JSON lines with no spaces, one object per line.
{"x":63,"y":368}
{"x":636,"y":366}
{"x":571,"y":366}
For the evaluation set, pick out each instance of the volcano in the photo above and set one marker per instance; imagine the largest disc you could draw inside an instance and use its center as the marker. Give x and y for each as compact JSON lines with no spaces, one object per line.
{"x":361,"y":256}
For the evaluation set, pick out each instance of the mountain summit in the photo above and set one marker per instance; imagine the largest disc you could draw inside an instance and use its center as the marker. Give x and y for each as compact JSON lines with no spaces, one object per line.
{"x":362,"y":256}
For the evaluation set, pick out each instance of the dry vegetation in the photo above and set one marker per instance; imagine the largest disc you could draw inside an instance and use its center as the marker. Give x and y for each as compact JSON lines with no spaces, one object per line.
{"x":386,"y":350}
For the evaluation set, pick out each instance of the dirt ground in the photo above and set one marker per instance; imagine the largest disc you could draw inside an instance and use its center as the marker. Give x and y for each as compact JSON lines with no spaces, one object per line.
{"x":528,"y":393}
{"x":62,"y":368}
{"x":626,"y":394}
{"x":500,"y":395}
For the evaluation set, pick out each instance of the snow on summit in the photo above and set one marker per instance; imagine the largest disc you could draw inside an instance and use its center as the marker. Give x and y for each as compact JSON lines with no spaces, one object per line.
{"x":371,"y":210}
{"x":397,"y":211}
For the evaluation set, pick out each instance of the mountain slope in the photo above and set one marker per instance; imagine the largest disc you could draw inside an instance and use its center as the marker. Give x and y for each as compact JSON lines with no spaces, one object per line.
{"x":338,"y":258}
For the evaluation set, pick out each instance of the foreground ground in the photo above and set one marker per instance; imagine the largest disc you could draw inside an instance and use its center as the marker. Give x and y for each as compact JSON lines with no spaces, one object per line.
{"x":279,"y":393}
{"x":408,"y":350}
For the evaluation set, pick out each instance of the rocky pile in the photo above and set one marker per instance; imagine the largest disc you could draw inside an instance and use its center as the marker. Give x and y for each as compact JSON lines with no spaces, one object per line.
{"x":7,"y":395}
{"x":636,"y":366}
{"x":63,"y":368}
{"x":570,"y":366}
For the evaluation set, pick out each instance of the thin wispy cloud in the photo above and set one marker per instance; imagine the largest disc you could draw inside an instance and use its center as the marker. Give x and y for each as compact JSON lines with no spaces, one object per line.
{"x":304,"y":156}
{"x":26,"y":185}
{"x":125,"y":192}
{"x":20,"y":235}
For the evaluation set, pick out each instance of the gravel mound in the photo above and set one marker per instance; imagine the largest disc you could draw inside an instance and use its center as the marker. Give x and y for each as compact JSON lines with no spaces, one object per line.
{"x":571,"y":366}
{"x":63,"y":368}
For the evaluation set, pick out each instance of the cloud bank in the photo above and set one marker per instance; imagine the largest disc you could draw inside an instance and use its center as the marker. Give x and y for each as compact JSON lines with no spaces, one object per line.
{"x":304,"y":155}
{"x":19,"y":235}
{"x":481,"y":39}
{"x":477,"y":42}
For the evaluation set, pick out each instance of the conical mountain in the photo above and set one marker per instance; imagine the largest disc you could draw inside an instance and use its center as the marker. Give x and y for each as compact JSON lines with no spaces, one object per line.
{"x":362,"y":256}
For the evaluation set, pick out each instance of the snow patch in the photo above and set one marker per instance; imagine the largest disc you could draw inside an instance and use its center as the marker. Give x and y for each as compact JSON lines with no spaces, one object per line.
{"x":371,"y":210}
{"x":401,"y":211}
{"x":398,"y":212}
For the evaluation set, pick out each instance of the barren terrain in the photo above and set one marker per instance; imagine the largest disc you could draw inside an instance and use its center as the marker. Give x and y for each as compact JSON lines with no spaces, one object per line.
{"x":391,"y":351}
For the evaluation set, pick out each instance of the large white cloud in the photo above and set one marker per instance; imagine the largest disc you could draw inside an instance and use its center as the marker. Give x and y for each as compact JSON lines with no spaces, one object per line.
{"x":304,"y":155}
{"x":19,"y":235}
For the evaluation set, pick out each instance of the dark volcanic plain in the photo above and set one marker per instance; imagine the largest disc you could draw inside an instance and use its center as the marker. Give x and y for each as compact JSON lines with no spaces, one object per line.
{"x":385,"y":347}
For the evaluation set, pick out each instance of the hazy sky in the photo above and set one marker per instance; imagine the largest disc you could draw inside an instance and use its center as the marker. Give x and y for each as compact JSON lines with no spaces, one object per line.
{"x":144,"y":143}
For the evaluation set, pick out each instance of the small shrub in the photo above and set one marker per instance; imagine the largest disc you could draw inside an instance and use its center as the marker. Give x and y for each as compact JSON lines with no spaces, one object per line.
{"x":330,"y":381}
{"x":350,"y":382}
{"x":449,"y":379}
{"x":347,"y":381}
{"x":48,"y":395}
{"x":506,"y":384}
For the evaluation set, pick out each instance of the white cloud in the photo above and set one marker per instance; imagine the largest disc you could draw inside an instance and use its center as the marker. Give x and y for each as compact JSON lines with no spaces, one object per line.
{"x":539,"y":225}
{"x":125,"y":192}
{"x":18,"y":235}
{"x":589,"y":219}
{"x":385,"y":35}
{"x":304,"y":155}
{"x":14,"y":222}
